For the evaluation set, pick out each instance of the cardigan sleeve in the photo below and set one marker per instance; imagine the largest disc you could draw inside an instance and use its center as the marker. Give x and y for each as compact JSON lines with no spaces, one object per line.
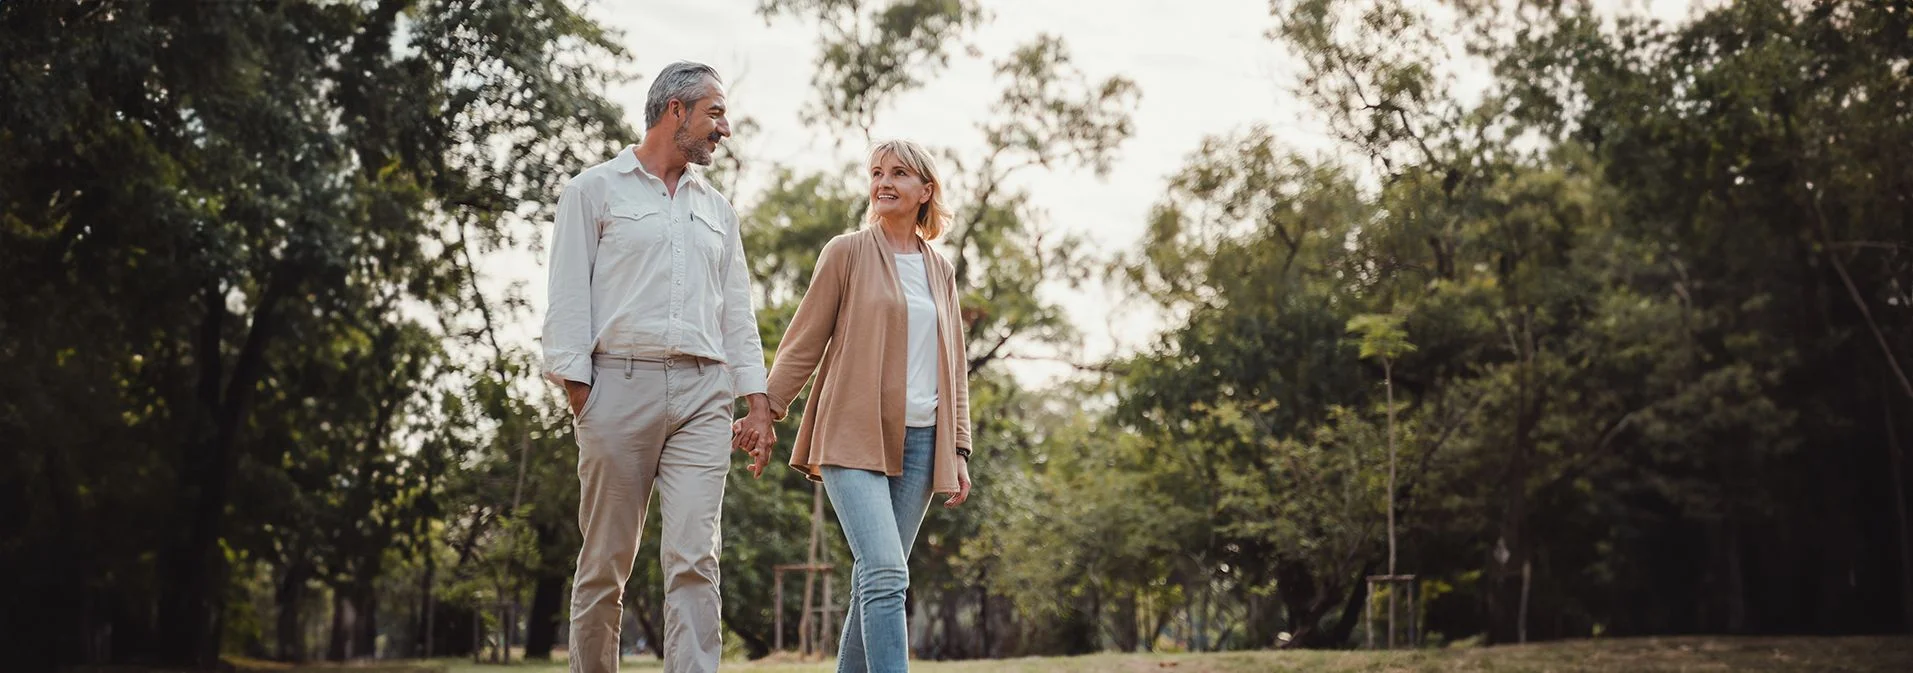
{"x":960,"y":386}
{"x":809,"y":333}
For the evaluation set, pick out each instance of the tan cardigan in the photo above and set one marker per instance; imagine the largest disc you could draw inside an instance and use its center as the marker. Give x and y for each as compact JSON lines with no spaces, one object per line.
{"x":854,"y":319}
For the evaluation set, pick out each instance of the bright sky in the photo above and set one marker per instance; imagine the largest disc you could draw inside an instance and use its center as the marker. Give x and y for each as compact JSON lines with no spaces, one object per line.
{"x":1204,"y":68}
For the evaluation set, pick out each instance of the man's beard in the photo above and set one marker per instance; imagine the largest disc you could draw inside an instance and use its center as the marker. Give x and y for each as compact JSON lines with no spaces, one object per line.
{"x":695,"y":150}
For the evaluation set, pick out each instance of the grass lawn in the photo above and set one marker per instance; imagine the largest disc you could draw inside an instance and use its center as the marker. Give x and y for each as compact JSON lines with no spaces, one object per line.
{"x":1691,"y":653}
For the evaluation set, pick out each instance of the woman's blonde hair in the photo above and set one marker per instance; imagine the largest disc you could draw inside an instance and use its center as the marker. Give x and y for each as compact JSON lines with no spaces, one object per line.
{"x":932,"y":215}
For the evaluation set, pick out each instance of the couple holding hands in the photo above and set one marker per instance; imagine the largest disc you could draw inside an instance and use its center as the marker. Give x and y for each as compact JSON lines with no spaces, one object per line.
{"x":651,"y":331}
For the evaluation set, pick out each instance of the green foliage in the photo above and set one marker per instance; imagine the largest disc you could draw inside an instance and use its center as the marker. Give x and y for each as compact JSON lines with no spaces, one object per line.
{"x":239,"y":242}
{"x":1641,"y":307}
{"x":1381,"y":336}
{"x":1624,"y":284}
{"x":870,"y":56}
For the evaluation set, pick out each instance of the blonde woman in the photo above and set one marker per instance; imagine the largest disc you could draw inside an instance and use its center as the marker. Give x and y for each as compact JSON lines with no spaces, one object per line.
{"x":888,"y":421}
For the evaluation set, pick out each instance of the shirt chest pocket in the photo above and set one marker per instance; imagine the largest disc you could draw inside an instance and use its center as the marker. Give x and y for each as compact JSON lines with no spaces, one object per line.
{"x":706,"y":234}
{"x":636,"y":227}
{"x":631,"y":227}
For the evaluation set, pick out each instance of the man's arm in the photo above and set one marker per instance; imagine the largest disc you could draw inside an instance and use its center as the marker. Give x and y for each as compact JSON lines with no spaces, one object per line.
{"x":743,"y":348}
{"x":567,"y":334}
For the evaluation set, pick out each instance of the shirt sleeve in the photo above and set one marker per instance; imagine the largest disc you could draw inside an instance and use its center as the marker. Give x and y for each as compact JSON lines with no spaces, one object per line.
{"x":568,"y":339}
{"x":743,"y":347}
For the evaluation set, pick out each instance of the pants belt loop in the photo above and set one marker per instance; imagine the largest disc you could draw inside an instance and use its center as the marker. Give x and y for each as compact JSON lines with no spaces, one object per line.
{"x":700,"y":365}
{"x":628,"y":363}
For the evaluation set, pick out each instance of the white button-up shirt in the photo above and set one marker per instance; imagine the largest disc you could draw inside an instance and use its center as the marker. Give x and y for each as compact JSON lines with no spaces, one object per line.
{"x":637,"y":272}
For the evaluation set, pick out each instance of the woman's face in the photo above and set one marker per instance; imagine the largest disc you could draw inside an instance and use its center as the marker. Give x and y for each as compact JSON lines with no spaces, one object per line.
{"x":896,"y":192}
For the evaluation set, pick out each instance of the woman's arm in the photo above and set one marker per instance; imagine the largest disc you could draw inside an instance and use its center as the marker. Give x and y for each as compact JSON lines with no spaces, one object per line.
{"x":960,"y":387}
{"x":809,"y":333}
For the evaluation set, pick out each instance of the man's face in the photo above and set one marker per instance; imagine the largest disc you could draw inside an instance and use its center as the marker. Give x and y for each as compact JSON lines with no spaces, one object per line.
{"x":702,"y":126}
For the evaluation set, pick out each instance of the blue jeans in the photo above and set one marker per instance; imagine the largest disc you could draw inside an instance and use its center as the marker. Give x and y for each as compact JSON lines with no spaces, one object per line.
{"x":880,"y":515}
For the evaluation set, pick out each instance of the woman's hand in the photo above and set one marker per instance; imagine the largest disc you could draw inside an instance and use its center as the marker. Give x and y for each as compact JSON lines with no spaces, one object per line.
{"x":753,"y":434}
{"x":963,"y":484}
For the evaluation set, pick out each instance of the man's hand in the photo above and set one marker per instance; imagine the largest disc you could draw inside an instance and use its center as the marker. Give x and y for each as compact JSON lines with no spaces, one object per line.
{"x":576,"y":393}
{"x":754,"y":433}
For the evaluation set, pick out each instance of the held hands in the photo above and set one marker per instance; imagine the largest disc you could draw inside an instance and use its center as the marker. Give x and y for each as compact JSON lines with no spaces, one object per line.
{"x":755,"y":435}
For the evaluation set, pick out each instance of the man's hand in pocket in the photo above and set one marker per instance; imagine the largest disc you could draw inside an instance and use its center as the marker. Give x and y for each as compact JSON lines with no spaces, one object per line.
{"x":576,"y":393}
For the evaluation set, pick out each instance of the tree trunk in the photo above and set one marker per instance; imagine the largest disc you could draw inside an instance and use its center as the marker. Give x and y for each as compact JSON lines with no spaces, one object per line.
{"x":67,"y":630}
{"x":1822,"y":232}
{"x":291,"y":598}
{"x":1128,"y":633}
{"x":192,"y":596}
{"x":755,"y":646}
{"x":133,"y":629}
{"x":1199,"y":618}
{"x":647,"y":621}
{"x":452,"y":630}
{"x":365,"y":620}
{"x":1263,"y":615}
{"x":1302,"y":595}
{"x":1344,"y":626}
{"x":1507,"y":595}
{"x":428,"y":608}
{"x":340,"y":643}
{"x":948,"y":604}
{"x":1521,"y":621}
{"x":806,"y":621}
{"x":1898,"y":464}
{"x":541,"y":626}
{"x":983,"y":608}
{"x":1736,"y":581}
{"x":1388,"y":384}
{"x":185,"y":615}
{"x":1091,"y":640}
{"x":1155,"y":634}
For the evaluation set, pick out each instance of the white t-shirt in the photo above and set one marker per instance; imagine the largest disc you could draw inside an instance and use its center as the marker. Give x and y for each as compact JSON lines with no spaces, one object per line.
{"x":920,"y":408}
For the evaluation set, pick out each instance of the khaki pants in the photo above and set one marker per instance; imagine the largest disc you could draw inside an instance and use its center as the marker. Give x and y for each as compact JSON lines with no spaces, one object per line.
{"x":663,"y":423}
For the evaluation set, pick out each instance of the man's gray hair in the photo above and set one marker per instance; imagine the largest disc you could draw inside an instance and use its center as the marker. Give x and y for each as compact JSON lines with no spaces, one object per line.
{"x":682,"y":80}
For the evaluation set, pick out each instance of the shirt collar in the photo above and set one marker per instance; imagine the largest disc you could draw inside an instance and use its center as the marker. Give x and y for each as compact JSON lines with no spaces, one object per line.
{"x":627,"y":162}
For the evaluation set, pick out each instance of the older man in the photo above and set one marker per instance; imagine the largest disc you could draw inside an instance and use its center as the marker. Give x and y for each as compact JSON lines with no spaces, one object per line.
{"x":651,"y":331}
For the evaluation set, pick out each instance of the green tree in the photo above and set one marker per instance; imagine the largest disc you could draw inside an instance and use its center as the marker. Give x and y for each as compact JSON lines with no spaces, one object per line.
{"x":196,"y":189}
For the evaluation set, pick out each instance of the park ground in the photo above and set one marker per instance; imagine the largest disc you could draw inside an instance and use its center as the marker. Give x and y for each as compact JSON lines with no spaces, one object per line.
{"x":1688,"y":653}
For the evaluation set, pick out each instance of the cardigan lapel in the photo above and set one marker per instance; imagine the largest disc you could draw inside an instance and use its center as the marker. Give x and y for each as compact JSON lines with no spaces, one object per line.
{"x":939,"y":285}
{"x":880,"y":249}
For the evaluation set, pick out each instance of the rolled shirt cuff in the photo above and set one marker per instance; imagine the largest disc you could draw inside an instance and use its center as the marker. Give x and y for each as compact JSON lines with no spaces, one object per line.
{"x":748,"y":381}
{"x":564,"y":366}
